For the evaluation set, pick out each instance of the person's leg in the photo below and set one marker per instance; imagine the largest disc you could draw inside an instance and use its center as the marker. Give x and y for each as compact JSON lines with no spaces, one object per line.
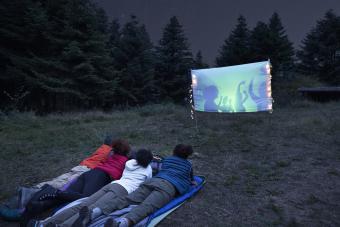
{"x":72,"y":211}
{"x":162,"y":193}
{"x":61,"y":180}
{"x":95,"y":181}
{"x":102,"y":204}
{"x":135,"y":197}
{"x":120,"y":202}
{"x":105,"y":202}
{"x":36,"y":205}
{"x":87,"y":184}
{"x":63,"y":215}
{"x":77,"y":185}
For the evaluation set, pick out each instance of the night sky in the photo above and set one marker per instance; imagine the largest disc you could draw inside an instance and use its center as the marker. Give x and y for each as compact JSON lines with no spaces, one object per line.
{"x":208,"y":22}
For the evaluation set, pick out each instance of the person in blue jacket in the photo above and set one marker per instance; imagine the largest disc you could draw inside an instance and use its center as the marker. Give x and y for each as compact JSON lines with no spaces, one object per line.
{"x":174,"y":178}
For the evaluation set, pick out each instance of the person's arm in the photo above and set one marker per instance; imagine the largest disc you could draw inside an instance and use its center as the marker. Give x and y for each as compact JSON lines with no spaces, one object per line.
{"x":193,"y":182}
{"x":149,"y":173}
{"x":245,"y":96}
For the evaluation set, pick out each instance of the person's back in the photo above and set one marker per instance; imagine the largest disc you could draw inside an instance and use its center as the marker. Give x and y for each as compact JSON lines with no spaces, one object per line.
{"x":133,"y":175}
{"x":136,"y":171}
{"x":114,"y":165}
{"x":100,"y":155}
{"x":177,"y":171}
{"x":175,"y":177}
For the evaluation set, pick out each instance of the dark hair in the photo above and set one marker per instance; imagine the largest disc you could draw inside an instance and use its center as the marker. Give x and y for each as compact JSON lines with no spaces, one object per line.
{"x":132,"y":154}
{"x":121,"y":147}
{"x":183,"y":151}
{"x":144,"y":157}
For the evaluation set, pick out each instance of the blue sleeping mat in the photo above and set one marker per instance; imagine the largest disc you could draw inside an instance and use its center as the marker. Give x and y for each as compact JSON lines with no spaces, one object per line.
{"x":160,"y":214}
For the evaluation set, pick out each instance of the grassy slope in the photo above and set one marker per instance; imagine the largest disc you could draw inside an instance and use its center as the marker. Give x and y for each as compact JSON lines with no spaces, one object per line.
{"x":262,"y":169}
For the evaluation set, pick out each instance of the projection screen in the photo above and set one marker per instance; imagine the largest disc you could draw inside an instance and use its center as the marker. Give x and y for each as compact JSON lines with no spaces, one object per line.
{"x":239,"y":88}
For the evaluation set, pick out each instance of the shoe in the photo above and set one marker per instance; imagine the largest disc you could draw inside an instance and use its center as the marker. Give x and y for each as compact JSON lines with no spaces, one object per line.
{"x":24,"y":195}
{"x":52,"y":194}
{"x":10,"y":214}
{"x":44,"y":193}
{"x":84,"y":217}
{"x":121,"y":222}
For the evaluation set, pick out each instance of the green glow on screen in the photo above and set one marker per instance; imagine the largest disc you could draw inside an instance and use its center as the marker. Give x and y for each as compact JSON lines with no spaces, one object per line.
{"x":240,"y":88}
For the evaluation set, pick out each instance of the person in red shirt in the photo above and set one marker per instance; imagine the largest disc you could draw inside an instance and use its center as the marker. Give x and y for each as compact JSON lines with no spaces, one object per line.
{"x":86,"y":184}
{"x":99,"y":156}
{"x":105,"y":172}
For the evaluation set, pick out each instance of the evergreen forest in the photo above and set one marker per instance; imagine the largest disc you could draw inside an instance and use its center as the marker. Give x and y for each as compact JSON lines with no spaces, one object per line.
{"x":66,"y":55}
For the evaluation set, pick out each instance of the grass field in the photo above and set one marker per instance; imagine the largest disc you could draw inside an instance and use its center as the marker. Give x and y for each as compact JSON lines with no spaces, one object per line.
{"x":279,"y":169}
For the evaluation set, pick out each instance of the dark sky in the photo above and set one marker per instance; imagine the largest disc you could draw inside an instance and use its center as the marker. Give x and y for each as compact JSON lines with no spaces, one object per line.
{"x":208,"y":22}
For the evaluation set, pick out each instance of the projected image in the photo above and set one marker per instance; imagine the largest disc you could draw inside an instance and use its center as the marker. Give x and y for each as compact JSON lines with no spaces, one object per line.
{"x":210,"y":93}
{"x":241,"y":88}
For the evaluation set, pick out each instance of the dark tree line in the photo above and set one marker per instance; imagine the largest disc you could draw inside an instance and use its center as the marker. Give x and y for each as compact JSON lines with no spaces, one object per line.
{"x":56,"y":51}
{"x":318,"y":57}
{"x":265,"y":41}
{"x":61,"y":55}
{"x":320,"y":53}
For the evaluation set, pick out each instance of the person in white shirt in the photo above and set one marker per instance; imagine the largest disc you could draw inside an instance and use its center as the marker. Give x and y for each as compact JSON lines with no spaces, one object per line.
{"x":136,"y":172}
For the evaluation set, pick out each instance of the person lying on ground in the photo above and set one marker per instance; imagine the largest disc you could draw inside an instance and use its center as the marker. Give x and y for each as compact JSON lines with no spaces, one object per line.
{"x":93,"y":180}
{"x":86,"y":184}
{"x":12,"y":211}
{"x":136,"y":172}
{"x":91,"y":162}
{"x":174,"y":178}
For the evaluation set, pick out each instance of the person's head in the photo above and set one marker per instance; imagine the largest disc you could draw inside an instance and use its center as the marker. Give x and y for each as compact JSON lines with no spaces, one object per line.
{"x":210,"y":93}
{"x":144,"y":157}
{"x":121,"y":147}
{"x":183,"y":151}
{"x":108,"y":140}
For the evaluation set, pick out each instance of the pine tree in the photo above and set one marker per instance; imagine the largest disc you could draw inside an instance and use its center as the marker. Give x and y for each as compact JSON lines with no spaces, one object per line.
{"x":114,"y":34}
{"x":56,"y":52}
{"x":317,"y":56}
{"x":174,"y":62}
{"x":94,"y":74}
{"x":21,"y":40}
{"x":198,"y":61}
{"x":83,"y":54}
{"x":101,"y":19}
{"x":134,"y":60}
{"x":235,"y":49}
{"x":269,"y":41}
{"x":281,"y":49}
{"x":260,"y":43}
